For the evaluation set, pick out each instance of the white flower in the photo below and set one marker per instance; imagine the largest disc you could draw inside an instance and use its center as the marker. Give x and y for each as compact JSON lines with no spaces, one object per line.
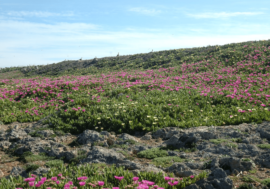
{"x":148,"y":116}
{"x":265,"y":108}
{"x":99,"y":122}
{"x":98,"y":118}
{"x":191,"y":110}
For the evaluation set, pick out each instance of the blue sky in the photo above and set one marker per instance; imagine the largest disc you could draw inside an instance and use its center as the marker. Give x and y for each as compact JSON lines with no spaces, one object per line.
{"x":45,"y":32}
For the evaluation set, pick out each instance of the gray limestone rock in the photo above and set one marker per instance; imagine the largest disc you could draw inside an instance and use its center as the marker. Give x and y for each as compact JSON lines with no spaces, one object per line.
{"x":181,"y":170}
{"x":104,"y":155}
{"x":90,"y":136}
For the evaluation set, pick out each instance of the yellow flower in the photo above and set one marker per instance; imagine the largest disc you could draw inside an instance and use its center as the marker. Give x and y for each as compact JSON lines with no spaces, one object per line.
{"x":123,"y":123}
{"x":108,"y":117}
{"x":266,"y":109}
{"x":154,"y":123}
{"x":98,"y":118}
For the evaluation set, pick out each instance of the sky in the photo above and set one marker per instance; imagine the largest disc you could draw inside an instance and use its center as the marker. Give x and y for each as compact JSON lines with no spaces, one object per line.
{"x":45,"y":32}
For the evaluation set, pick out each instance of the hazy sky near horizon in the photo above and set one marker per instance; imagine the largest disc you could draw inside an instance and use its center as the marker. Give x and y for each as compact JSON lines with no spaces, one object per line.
{"x":38,"y":33}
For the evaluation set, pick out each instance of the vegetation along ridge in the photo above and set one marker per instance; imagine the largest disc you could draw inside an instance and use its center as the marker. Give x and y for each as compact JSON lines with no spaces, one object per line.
{"x":138,"y":94}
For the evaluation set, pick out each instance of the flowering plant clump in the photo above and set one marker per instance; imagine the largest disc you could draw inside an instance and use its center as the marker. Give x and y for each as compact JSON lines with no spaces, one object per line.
{"x":70,"y":178}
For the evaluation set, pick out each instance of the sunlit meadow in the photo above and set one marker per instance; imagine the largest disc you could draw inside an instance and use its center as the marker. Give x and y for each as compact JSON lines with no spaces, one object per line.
{"x":204,"y":91}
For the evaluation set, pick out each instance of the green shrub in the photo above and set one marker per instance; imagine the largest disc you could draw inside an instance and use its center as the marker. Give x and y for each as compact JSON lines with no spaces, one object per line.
{"x":266,"y":182}
{"x":152,"y":153}
{"x":166,"y":161}
{"x":54,"y":163}
{"x":264,"y":146}
{"x":218,"y":141}
{"x":32,"y":167}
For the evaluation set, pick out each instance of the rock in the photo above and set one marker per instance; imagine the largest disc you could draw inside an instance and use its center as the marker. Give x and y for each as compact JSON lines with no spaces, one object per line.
{"x":236,"y":163}
{"x":1,"y":173}
{"x":40,"y":171}
{"x":264,"y":130}
{"x":216,"y":179}
{"x":16,"y":135}
{"x":126,"y":136}
{"x":166,"y":133}
{"x":100,"y":154}
{"x":181,"y":170}
{"x":89,"y":137}
{"x":18,"y":171}
{"x":4,"y":145}
{"x":45,"y":133}
{"x":146,"y":137}
{"x":129,"y":165}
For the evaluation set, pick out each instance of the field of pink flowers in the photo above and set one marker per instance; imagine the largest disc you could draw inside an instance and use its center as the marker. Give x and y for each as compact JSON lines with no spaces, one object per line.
{"x":206,"y":91}
{"x":199,"y":93}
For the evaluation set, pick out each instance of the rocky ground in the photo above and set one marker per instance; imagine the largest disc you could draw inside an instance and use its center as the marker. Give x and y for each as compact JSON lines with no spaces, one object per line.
{"x":231,"y":154}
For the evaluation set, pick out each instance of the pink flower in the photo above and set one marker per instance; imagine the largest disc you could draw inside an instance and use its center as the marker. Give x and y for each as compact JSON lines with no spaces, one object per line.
{"x":119,"y":178}
{"x":115,"y":188}
{"x":135,"y":178}
{"x":263,"y":105}
{"x":167,"y":178}
{"x":54,"y":178}
{"x":81,"y":183}
{"x":57,"y":182}
{"x":100,"y":183}
{"x":31,"y":183}
{"x":191,"y":176}
{"x":83,"y":110}
{"x":59,"y":175}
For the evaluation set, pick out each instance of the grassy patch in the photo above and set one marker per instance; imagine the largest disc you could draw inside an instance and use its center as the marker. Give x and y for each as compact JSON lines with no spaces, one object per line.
{"x":152,"y":153}
{"x":238,"y":140}
{"x":32,"y":167}
{"x":252,"y":171}
{"x":218,"y":141}
{"x":245,"y":186}
{"x":264,"y":146}
{"x":250,"y":179}
{"x":54,"y":163}
{"x":266,"y":182}
{"x":166,"y":161}
{"x":232,"y":145}
{"x":30,"y":157}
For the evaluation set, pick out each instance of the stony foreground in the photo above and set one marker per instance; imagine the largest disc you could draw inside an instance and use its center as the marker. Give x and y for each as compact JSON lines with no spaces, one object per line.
{"x":231,"y":154}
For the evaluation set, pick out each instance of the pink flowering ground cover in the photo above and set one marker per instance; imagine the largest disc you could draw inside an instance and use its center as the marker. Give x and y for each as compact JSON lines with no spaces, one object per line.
{"x":107,"y":180}
{"x":207,"y":92}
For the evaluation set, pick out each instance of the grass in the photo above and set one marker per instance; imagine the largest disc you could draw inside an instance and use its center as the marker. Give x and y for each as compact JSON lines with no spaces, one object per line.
{"x":232,"y":145}
{"x":30,"y":157}
{"x":166,"y":161}
{"x":152,"y":153}
{"x":218,"y":141}
{"x":253,"y":171}
{"x":31,"y":167}
{"x":54,"y":163}
{"x":264,"y":146}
